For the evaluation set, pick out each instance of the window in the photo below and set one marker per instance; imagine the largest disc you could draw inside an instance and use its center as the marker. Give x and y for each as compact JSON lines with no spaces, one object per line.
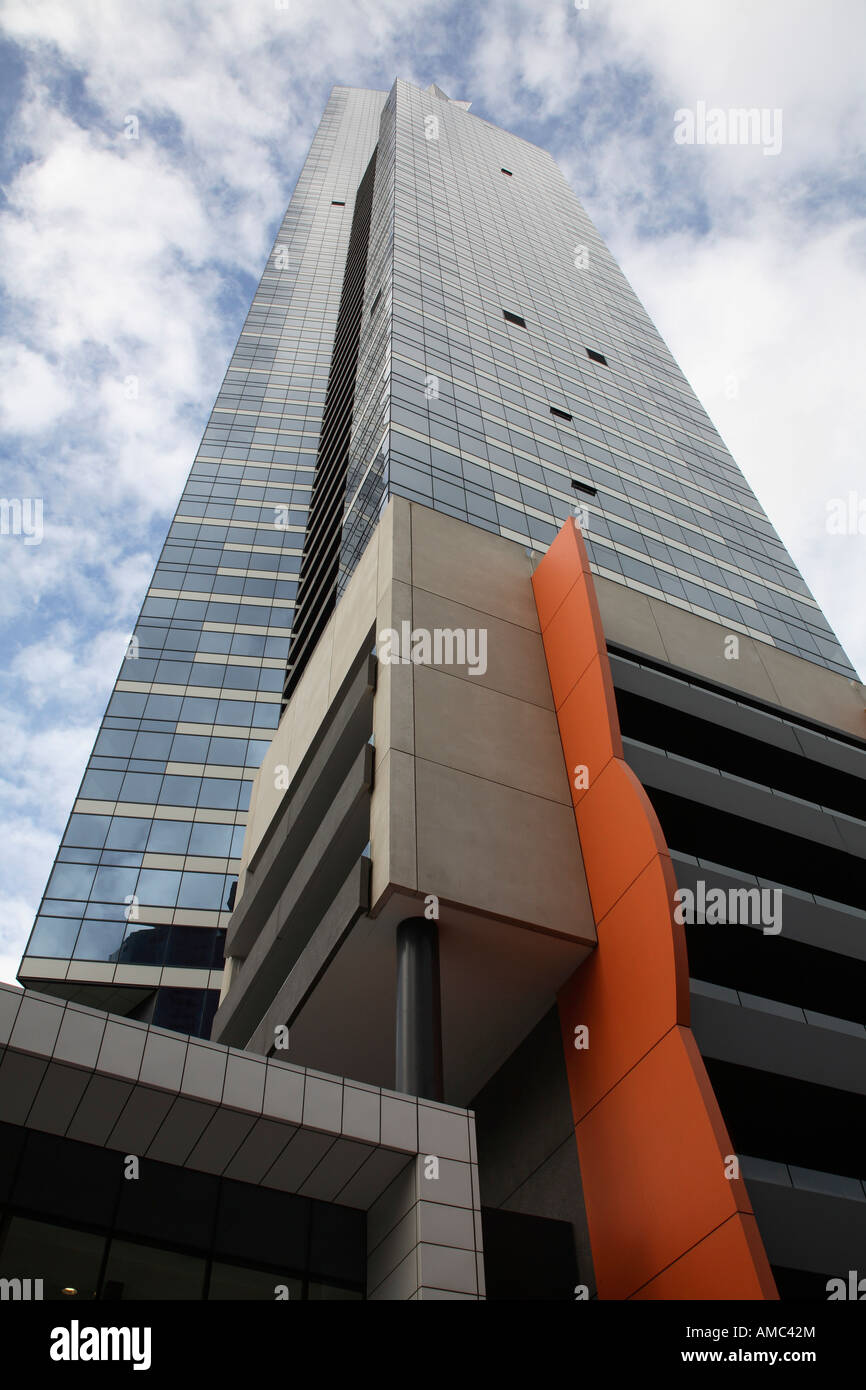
{"x":374,"y":306}
{"x":336,"y":203}
{"x":235,"y":1282}
{"x":169,"y":837}
{"x":141,"y":1272}
{"x":158,"y":887}
{"x":87,"y":830}
{"x":583,"y":487}
{"x":67,"y":1261}
{"x":54,"y":937}
{"x":211,"y":840}
{"x":71,"y":881}
{"x":596,"y":356}
{"x":513,"y":318}
{"x":99,"y":940}
{"x":560,"y":414}
{"x":202,"y":890}
{"x":507,"y":171}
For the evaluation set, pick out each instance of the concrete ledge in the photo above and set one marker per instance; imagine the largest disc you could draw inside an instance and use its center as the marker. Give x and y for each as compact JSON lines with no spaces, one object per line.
{"x":768,"y":1037}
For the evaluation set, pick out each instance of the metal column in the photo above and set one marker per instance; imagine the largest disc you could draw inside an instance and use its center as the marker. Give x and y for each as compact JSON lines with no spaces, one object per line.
{"x":419,"y":1011}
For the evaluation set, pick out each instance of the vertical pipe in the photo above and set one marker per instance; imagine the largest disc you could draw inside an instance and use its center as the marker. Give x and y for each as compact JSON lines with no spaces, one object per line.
{"x":419,"y":1010}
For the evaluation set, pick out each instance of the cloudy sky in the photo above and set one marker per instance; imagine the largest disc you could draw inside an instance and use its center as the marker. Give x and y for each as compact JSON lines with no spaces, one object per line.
{"x":138,"y":258}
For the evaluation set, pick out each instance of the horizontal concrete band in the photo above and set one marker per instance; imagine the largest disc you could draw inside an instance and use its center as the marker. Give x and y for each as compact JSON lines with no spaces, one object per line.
{"x":346,"y":728}
{"x":779,"y":1044}
{"x":811,"y":920}
{"x":734,"y":709}
{"x":708,"y":786}
{"x":349,"y":712}
{"x":338,"y":842}
{"x":808,"y":1230}
{"x":293,"y":859}
{"x":126,"y":1086}
{"x":350,"y":902}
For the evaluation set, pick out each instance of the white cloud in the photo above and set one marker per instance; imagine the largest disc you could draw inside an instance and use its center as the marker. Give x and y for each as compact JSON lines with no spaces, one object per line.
{"x":32,"y":393}
{"x":750,"y":266}
{"x":40,"y":777}
{"x":769,"y":331}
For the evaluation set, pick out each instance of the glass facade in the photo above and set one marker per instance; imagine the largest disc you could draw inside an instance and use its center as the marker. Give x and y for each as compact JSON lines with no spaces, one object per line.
{"x":134,"y":912}
{"x":505,"y":373}
{"x":171,"y":1233}
{"x":505,"y":358}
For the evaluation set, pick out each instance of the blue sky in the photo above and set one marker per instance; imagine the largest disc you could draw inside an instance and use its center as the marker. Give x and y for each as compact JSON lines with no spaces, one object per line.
{"x":137,"y":259}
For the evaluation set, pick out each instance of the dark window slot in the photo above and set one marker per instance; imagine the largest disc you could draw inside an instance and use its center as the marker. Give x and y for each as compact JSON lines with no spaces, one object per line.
{"x":584,"y":487}
{"x":526,"y":1256}
{"x":513,"y":318}
{"x":758,"y":850}
{"x":776,"y":967}
{"x":596,"y":356}
{"x":677,"y":732}
{"x":764,"y":1114}
{"x":560,"y":414}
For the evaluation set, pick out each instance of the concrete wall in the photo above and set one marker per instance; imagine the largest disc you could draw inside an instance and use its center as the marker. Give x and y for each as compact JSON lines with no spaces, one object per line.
{"x":527,"y":1157}
{"x":467,"y":762}
{"x":668,"y":633}
{"x":471,"y":799}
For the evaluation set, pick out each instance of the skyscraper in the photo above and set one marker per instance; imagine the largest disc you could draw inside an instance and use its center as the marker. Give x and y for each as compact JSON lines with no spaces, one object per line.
{"x":594,"y":860}
{"x":134,"y":912}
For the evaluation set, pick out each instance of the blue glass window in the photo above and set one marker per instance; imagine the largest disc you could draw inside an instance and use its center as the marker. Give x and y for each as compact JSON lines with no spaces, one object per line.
{"x":54,"y":936}
{"x":219,"y":793}
{"x":71,"y":881}
{"x":101,"y":786}
{"x":113,"y":885}
{"x":99,"y":940}
{"x":158,"y":887}
{"x":87,"y":830}
{"x":213,"y":840}
{"x":180,"y":791}
{"x":141,"y":786}
{"x":169,"y":837}
{"x":128,"y":832}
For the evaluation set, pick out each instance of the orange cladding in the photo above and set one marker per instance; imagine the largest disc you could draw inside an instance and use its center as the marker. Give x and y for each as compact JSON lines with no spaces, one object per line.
{"x":665,"y":1220}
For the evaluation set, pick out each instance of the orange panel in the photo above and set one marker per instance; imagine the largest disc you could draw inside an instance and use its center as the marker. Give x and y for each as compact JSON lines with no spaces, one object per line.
{"x":633,"y":976}
{"x":724,"y":1255}
{"x":616,"y":837}
{"x":652,"y":1139}
{"x":560,"y":568}
{"x":585,"y":728}
{"x":569,"y":643}
{"x":664,"y":1220}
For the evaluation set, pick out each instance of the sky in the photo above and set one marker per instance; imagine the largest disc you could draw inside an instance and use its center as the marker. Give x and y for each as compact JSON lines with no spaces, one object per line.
{"x":127,"y":267}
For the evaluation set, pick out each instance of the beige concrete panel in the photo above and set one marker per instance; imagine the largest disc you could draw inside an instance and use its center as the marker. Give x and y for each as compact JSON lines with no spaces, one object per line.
{"x":500,"y":851}
{"x":698,"y":645}
{"x":392,"y":825}
{"x":231,"y":971}
{"x":628,"y":619}
{"x":393,"y":705}
{"x":43,"y":968}
{"x":266,"y":796}
{"x":355,"y":615}
{"x":464,"y":725}
{"x":472,"y":566}
{"x":252,"y":815}
{"x":810,"y":690}
{"x":310,"y":697}
{"x":515,"y":655}
{"x":394,"y":534}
